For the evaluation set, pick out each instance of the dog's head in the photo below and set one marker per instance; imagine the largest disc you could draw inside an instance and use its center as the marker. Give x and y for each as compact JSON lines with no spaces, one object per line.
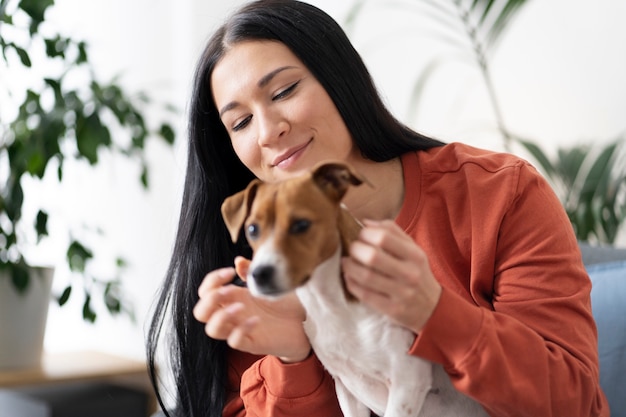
{"x":292,"y":226}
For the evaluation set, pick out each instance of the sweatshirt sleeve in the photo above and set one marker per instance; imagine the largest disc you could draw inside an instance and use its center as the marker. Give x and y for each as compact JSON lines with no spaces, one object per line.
{"x":272,"y":388}
{"x":528,"y":347}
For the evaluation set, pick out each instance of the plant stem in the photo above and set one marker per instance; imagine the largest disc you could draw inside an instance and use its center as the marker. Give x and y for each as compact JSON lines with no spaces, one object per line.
{"x":481,"y":60}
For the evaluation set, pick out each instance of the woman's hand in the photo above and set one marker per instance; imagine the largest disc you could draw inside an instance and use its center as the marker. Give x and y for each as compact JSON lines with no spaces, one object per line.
{"x":388,"y":271}
{"x":250,"y":324}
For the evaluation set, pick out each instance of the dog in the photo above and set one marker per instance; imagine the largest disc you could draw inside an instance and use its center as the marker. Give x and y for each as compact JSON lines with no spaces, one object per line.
{"x":299,"y":230}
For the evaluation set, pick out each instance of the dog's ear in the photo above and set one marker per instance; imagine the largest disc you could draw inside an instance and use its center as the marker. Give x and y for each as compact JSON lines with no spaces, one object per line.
{"x":235,"y":208}
{"x":334,"y":178}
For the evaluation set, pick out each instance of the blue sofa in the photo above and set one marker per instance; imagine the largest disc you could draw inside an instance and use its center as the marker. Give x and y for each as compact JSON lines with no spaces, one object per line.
{"x":607,"y":269}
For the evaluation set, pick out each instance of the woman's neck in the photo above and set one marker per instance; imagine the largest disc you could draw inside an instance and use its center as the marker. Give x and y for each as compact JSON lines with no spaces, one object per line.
{"x":382,"y":195}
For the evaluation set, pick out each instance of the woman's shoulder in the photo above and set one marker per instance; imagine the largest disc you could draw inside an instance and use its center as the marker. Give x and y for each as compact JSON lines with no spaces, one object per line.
{"x":455,"y":156}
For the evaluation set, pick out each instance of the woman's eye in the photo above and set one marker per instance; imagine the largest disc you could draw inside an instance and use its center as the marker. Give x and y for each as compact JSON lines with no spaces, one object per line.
{"x":284,"y":93}
{"x":242,"y":124}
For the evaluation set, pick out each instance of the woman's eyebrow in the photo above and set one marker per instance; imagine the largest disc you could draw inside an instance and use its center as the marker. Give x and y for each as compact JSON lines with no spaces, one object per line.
{"x":262,"y":83}
{"x":268,"y":77}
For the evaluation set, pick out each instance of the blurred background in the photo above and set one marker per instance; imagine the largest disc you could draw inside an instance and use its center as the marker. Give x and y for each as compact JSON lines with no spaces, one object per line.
{"x":558,"y":73}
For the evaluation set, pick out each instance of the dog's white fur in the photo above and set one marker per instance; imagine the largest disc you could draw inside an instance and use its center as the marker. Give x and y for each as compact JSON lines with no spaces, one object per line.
{"x":390,"y":382}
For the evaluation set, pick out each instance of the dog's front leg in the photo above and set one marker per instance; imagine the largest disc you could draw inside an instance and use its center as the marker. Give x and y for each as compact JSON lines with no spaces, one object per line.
{"x":411,"y":380}
{"x":350,"y":405}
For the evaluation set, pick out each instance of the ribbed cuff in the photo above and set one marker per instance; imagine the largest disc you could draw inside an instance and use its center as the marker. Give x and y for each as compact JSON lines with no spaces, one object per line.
{"x":291,"y":380}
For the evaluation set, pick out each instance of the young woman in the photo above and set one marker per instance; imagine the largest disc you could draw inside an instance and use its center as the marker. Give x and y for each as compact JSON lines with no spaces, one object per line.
{"x":470,"y":250}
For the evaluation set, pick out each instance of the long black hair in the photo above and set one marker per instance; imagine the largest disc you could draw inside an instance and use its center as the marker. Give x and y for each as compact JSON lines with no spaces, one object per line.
{"x":214,"y":172}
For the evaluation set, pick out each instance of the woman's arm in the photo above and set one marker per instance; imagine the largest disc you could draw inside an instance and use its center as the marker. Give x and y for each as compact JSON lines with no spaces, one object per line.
{"x":511,"y":322}
{"x":530,"y":348}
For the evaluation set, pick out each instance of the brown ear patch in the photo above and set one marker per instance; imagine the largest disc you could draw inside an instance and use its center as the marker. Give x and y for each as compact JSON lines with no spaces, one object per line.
{"x":334,"y":178}
{"x":235,"y":209}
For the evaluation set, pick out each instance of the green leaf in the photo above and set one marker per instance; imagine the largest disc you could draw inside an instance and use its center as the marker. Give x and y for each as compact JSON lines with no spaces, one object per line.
{"x":41,"y":224}
{"x":354,"y":11}
{"x":82,"y":53}
{"x":419,"y":85}
{"x":595,"y":181}
{"x":23,"y":55}
{"x":139,"y":138}
{"x":88,"y":313}
{"x":167,"y":133}
{"x":90,"y":134}
{"x":113,"y":304}
{"x":112,"y":299}
{"x":144,"y":176}
{"x":65,"y":295}
{"x":539,"y":156}
{"x":5,"y":18}
{"x":569,"y":163}
{"x":60,"y":170}
{"x":13,"y":202}
{"x":57,"y":46}
{"x":78,"y":256}
{"x":20,"y":277}
{"x":35,"y":163}
{"x":501,"y":22}
{"x":36,"y":9}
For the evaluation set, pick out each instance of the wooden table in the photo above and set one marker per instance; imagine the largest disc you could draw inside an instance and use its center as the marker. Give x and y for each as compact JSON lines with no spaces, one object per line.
{"x":83,"y":366}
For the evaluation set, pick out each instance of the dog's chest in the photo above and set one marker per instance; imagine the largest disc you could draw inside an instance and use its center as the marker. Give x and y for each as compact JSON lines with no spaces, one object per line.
{"x":363,"y":346}
{"x":348,"y":337}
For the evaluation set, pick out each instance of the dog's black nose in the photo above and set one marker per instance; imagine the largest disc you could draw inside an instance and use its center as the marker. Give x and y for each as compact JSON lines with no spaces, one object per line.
{"x":264,"y":275}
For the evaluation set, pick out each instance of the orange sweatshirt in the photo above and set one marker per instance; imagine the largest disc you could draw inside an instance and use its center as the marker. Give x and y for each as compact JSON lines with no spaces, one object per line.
{"x":513,"y":327}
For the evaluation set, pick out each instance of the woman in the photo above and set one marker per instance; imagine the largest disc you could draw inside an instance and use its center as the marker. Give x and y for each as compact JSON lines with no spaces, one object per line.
{"x":480,"y":262}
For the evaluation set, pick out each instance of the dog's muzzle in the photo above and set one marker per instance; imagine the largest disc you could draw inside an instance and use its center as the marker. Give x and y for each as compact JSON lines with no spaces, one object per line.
{"x":265,"y":280}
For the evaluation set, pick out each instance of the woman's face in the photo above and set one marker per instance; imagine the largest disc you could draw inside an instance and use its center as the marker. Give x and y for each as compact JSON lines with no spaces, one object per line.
{"x":280,"y":119}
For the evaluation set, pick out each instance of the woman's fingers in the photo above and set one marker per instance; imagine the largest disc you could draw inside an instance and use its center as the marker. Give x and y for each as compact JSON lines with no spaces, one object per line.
{"x":216,"y":279}
{"x":214,"y":293}
{"x":223,"y":321}
{"x":388,"y":236}
{"x":241,"y":336}
{"x":241,"y":266}
{"x":363,"y":280}
{"x":390,"y":272}
{"x":247,"y":323}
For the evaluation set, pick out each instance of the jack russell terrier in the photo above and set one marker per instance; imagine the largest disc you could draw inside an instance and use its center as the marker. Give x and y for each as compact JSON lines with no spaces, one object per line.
{"x":299,"y":231}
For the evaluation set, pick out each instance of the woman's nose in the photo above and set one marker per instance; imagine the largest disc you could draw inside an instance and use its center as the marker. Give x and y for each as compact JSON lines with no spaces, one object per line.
{"x":272,"y":126}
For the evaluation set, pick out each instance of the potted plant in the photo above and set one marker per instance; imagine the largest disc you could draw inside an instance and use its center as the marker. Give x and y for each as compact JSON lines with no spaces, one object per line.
{"x":55,"y":121}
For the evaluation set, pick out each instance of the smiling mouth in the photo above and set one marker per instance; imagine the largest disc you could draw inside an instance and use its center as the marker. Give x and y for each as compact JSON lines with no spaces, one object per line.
{"x":284,"y":160}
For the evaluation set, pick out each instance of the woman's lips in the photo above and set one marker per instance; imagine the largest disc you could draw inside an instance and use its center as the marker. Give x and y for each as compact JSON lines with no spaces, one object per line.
{"x":288,"y":158}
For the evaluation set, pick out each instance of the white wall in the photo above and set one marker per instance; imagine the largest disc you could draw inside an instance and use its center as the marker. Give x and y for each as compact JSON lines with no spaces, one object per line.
{"x":557,"y":82}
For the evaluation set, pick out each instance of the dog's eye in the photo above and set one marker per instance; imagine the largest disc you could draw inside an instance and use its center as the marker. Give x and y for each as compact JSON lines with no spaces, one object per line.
{"x":299,"y":226}
{"x":253,"y":231}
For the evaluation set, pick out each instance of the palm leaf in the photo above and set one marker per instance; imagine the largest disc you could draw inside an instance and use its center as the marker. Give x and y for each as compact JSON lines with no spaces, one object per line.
{"x":540,"y":157}
{"x":569,"y":163}
{"x":494,"y":20}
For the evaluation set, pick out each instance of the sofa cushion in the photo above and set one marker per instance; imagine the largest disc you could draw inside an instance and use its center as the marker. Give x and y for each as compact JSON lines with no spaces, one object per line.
{"x":608,"y":298}
{"x":601,"y":254}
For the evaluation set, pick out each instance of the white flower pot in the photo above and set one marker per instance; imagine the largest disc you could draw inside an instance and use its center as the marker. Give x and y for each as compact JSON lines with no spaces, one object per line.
{"x":23,"y":319}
